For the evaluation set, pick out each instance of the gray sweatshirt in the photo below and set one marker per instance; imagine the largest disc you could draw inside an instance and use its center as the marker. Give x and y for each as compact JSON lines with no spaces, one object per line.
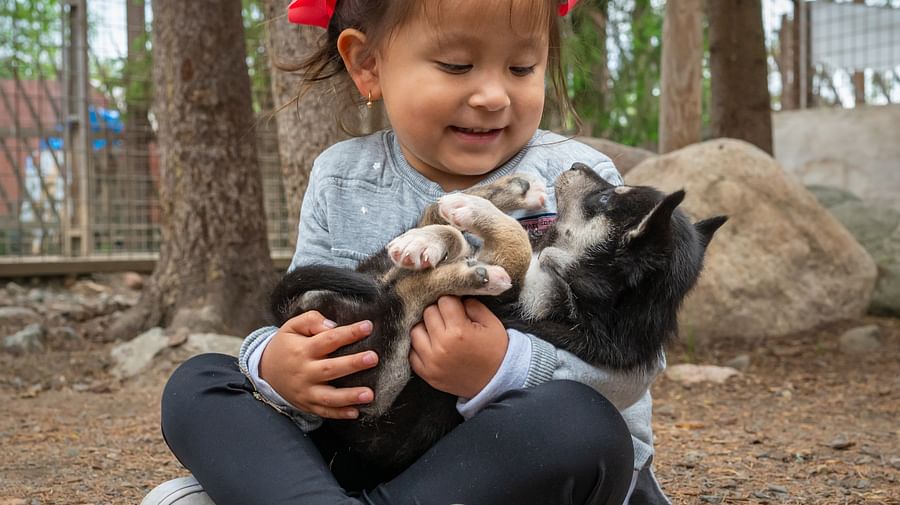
{"x":362,"y":193}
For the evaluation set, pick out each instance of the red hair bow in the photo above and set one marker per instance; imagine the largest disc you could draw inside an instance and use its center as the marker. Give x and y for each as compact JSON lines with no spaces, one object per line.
{"x":319,"y":12}
{"x":311,"y":12}
{"x":565,"y":6}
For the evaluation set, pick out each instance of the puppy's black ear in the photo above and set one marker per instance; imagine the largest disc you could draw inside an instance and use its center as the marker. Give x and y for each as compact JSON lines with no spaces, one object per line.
{"x":707,"y":228}
{"x":658,"y":222}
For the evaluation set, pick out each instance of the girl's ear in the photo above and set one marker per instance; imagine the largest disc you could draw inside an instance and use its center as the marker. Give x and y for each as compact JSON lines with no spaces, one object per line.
{"x":360,"y":62}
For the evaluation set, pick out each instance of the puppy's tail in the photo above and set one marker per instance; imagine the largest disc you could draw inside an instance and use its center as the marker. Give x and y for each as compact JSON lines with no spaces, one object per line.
{"x":303,"y":279}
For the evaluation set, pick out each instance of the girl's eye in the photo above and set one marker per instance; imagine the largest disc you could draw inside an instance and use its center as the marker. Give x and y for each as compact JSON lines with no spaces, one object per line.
{"x":452,"y":68}
{"x":522,"y":71}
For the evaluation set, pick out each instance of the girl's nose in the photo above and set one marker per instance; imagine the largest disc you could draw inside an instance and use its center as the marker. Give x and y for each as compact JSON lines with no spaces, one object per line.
{"x":490,"y":95}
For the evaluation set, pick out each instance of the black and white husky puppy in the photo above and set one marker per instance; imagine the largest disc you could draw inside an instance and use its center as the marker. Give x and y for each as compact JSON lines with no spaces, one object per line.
{"x":605,"y":283}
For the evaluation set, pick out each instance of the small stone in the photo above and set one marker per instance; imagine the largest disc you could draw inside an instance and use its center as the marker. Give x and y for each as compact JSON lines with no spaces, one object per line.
{"x":133,"y":280}
{"x":710,"y":498}
{"x":863,"y":484}
{"x":26,"y":340}
{"x":667,"y":410}
{"x":841,"y":443}
{"x":14,"y":289}
{"x":895,"y":462}
{"x":692,"y":459}
{"x":688,"y":373}
{"x":861,"y":340}
{"x":739,"y":362}
{"x":778,"y":489}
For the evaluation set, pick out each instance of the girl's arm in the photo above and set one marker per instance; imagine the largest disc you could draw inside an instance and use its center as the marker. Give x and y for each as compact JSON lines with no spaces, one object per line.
{"x":289,"y":366}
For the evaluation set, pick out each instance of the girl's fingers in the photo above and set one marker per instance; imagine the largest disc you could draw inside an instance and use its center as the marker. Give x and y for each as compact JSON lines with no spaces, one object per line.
{"x":329,"y":341}
{"x":341,"y":366}
{"x":338,"y":403}
{"x":309,"y":323}
{"x":433,"y":317}
{"x":421,"y":341}
{"x":452,"y":311}
{"x":417,"y":365}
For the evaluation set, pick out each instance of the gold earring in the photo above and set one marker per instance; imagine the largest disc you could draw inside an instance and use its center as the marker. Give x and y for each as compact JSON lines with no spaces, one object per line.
{"x":369,"y":103}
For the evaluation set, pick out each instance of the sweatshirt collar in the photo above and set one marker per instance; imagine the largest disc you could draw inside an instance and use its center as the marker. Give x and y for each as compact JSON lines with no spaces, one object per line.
{"x":431,"y":189}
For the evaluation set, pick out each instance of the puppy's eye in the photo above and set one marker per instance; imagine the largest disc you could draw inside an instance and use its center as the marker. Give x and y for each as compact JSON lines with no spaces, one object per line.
{"x":604,"y":199}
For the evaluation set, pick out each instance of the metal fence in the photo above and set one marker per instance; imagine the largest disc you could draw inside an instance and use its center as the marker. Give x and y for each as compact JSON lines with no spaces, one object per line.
{"x":834,"y":53}
{"x":79,"y":166}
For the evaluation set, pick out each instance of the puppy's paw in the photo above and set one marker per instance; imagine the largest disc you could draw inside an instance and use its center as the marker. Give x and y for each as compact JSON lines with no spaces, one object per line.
{"x":490,"y":279}
{"x":417,"y":249}
{"x":532,"y":192}
{"x":462,"y":210}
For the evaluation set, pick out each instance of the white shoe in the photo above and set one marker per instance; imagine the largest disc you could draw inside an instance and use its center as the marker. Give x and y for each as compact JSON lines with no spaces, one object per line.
{"x":181,"y":491}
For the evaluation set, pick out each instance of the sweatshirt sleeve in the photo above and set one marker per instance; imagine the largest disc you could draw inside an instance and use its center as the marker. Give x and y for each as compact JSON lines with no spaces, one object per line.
{"x":315,"y":247}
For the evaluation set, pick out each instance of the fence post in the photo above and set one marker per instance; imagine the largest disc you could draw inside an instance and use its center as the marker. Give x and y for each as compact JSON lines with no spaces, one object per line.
{"x":77,"y":126}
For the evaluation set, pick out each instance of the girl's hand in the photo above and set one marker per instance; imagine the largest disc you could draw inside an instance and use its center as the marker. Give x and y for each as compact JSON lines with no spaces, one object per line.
{"x":296,"y":364}
{"x":458,"y":347}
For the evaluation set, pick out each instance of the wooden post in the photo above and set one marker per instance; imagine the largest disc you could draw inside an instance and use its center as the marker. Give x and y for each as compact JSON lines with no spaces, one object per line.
{"x":680,"y":112}
{"x":859,"y":78}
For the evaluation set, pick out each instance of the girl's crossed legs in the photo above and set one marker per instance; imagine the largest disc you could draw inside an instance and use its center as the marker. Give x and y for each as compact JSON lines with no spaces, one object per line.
{"x":558,"y":443}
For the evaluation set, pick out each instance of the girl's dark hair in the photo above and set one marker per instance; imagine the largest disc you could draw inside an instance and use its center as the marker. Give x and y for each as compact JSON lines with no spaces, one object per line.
{"x":378,"y":19}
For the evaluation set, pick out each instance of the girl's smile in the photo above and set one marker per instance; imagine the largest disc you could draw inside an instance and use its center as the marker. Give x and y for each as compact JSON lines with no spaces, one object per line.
{"x":463,"y":86}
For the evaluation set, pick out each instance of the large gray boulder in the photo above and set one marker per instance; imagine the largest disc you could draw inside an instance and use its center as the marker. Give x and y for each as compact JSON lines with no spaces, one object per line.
{"x":781,"y":264}
{"x":877,"y":228}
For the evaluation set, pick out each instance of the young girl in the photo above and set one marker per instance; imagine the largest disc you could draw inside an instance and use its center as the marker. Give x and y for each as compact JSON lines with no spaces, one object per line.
{"x":463,"y":87}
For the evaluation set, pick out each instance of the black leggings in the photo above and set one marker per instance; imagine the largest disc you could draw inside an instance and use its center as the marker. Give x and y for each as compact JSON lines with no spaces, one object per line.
{"x":558,"y":443}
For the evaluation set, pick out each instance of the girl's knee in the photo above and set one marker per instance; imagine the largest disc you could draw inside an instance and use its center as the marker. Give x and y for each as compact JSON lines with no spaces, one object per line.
{"x":579,"y":423}
{"x":185,"y":390}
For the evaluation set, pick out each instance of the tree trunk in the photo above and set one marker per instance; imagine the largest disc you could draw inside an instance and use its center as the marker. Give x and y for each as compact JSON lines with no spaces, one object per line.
{"x":306,"y":128}
{"x":138,"y":183}
{"x":788,"y":60}
{"x":680,"y":111}
{"x":214,"y":266}
{"x":740,"y":105}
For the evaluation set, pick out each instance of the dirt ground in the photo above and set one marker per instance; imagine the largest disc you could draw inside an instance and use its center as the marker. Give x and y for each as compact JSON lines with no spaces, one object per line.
{"x":805,"y":423}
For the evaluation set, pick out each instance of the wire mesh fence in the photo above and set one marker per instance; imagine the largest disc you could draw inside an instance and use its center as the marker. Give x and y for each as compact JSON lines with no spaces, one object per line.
{"x":79,"y":163}
{"x":835,"y":53}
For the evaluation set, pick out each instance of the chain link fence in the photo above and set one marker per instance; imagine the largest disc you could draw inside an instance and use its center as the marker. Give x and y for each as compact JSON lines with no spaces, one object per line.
{"x":79,"y":163}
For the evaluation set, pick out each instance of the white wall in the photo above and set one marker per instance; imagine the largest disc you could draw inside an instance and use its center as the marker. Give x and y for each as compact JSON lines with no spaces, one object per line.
{"x":853,"y":149}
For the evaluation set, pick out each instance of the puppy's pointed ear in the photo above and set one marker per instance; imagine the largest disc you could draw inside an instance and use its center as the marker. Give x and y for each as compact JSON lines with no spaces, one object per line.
{"x":707,"y":228}
{"x":658,"y":222}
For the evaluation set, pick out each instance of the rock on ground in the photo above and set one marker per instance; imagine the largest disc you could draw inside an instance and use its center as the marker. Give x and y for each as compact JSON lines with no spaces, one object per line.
{"x":688,"y":373}
{"x":877,"y":228}
{"x":133,"y":357}
{"x":781,"y":264}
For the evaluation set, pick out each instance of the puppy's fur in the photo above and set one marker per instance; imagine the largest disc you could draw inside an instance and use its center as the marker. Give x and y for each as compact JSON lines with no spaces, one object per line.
{"x":605,"y":283}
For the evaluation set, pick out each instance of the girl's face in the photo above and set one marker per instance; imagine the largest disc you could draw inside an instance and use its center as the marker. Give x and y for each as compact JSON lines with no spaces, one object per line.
{"x":463,"y":87}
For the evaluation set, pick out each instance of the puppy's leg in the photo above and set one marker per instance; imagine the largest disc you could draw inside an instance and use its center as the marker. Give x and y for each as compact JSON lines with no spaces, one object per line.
{"x":509,"y":193}
{"x":427,"y":246}
{"x":505,"y":241}
{"x":465,"y":277}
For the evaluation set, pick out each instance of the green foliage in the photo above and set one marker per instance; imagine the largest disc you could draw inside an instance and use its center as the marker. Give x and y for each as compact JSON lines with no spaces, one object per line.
{"x":29,"y":38}
{"x":257,"y":56}
{"x":623,"y":103}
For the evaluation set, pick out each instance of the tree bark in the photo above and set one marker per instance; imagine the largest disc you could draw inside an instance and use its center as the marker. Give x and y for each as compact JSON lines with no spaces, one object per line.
{"x":305,"y":128}
{"x":681,"y":82}
{"x":740,"y":106}
{"x":214,"y":266}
